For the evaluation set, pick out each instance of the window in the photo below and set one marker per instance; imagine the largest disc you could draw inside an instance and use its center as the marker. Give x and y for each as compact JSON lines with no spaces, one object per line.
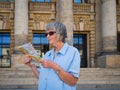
{"x":5,"y":50}
{"x":41,"y":0}
{"x":40,"y":43}
{"x":39,"y":39}
{"x":77,"y":1}
{"x":80,"y":42}
{"x":80,"y":1}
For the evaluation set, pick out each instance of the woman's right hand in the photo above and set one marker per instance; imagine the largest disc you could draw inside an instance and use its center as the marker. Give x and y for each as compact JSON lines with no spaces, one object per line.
{"x":27,"y":60}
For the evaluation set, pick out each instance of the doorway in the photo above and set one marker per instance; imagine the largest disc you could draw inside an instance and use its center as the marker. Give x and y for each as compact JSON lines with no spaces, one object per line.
{"x":80,"y":42}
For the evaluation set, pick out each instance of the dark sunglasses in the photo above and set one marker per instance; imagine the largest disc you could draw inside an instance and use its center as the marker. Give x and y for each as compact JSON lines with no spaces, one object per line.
{"x":50,"y":33}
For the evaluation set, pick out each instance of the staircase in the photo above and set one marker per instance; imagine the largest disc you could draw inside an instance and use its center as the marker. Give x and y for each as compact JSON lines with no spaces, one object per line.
{"x":91,"y":78}
{"x":17,"y":78}
{"x":102,"y":78}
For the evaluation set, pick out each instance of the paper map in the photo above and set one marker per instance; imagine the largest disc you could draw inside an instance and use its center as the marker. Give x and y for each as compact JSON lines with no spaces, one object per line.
{"x":29,"y":50}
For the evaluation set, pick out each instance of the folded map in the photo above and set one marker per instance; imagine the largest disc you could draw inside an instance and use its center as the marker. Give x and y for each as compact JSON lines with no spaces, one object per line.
{"x":29,"y":50}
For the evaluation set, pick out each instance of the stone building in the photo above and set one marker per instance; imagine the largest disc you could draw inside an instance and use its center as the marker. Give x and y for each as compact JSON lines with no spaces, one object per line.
{"x":93,"y":27}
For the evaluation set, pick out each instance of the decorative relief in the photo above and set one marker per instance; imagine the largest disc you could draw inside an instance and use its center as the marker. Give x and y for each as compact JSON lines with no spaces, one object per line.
{"x":81,"y":23}
{"x":4,"y":21}
{"x":40,"y":20}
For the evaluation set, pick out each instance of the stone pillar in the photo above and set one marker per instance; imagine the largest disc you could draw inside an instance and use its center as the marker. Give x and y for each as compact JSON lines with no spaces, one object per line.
{"x":109,"y":56}
{"x":98,"y":35}
{"x":65,"y":15}
{"x":98,"y":26}
{"x":21,"y":21}
{"x":109,"y":31}
{"x":20,"y":31}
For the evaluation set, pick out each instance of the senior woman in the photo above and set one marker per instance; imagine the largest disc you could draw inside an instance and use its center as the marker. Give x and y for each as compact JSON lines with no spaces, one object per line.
{"x":59,"y":69}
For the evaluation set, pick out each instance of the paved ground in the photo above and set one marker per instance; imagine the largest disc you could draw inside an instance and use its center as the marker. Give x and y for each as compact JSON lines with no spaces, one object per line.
{"x":77,"y":89}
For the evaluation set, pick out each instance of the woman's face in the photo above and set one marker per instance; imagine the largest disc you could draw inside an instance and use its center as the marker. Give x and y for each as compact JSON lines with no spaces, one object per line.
{"x":52,"y":37}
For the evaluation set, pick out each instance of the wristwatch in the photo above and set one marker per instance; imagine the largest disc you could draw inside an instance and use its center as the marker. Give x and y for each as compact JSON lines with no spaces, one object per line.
{"x":58,"y":71}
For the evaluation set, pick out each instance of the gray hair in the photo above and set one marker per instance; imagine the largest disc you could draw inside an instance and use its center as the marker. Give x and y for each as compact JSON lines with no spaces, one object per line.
{"x":59,"y":28}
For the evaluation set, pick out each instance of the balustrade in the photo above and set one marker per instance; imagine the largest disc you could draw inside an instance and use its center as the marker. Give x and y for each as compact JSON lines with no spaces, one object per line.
{"x":36,"y":6}
{"x":6,"y":5}
{"x":82,"y":7}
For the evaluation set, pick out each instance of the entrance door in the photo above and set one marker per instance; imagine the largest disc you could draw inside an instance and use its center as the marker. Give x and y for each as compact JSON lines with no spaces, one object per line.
{"x":80,"y":42}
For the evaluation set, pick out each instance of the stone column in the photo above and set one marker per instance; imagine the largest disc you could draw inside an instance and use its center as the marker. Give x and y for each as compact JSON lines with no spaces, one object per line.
{"x":98,"y":26}
{"x":21,"y":21}
{"x":65,"y":15}
{"x":109,"y":31}
{"x":20,"y":31}
{"x":109,"y":57}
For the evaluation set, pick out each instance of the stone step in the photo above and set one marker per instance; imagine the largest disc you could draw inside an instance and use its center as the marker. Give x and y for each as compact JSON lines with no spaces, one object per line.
{"x":86,"y":71}
{"x":17,"y":73}
{"x":18,"y":86}
{"x":98,"y":87}
{"x":99,"y":76}
{"x":79,"y":87}
{"x":87,"y":76}
{"x":19,"y":81}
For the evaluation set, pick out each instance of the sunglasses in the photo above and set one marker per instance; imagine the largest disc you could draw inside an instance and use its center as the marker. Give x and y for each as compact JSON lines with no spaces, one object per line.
{"x":50,"y":33}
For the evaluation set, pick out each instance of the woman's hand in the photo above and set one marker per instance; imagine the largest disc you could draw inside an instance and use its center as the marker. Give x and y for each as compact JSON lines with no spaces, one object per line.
{"x":49,"y":64}
{"x":27,"y":60}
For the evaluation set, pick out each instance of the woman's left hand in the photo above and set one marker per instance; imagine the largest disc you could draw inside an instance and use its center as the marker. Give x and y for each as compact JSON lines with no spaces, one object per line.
{"x":49,"y":64}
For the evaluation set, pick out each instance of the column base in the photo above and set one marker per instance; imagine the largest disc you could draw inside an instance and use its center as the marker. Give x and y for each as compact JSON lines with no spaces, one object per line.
{"x":17,"y":61}
{"x":108,"y":61}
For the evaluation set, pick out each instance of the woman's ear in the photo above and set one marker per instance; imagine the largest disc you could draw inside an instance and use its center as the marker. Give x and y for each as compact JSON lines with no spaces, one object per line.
{"x":59,"y":37}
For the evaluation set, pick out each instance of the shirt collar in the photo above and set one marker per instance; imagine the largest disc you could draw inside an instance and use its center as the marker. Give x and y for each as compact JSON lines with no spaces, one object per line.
{"x":63,"y":49}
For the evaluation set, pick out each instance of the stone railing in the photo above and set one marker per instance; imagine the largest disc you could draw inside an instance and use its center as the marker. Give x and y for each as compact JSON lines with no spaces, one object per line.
{"x":83,"y":7}
{"x":36,"y":6}
{"x":6,"y":5}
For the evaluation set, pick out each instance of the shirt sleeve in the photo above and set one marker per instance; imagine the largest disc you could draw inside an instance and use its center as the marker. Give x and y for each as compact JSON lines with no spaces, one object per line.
{"x":74,"y":67}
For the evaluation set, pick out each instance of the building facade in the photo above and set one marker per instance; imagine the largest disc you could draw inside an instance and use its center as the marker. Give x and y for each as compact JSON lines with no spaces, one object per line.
{"x":93,"y":27}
